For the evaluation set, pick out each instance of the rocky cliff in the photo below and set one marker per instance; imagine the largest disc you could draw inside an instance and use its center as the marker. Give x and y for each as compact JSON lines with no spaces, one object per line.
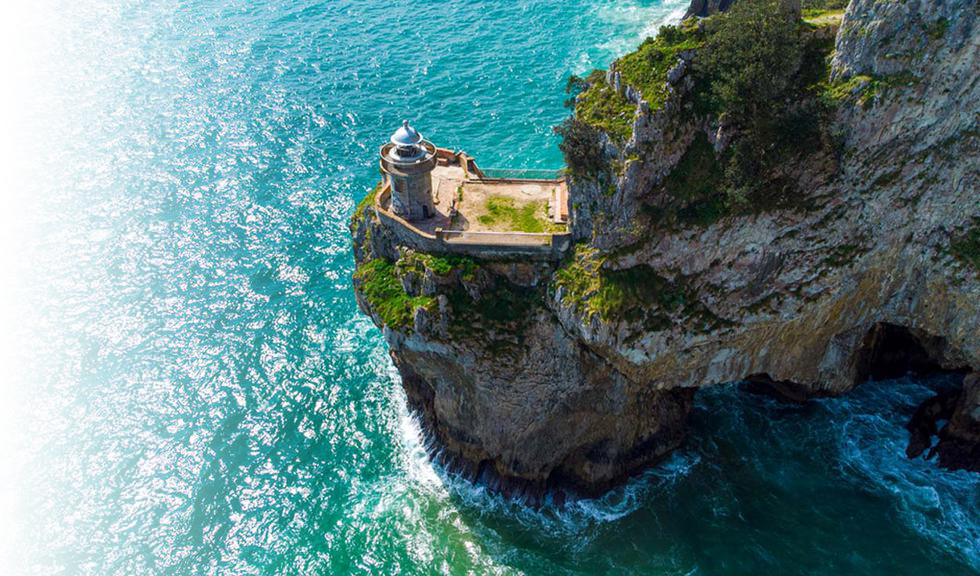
{"x":851,"y":251}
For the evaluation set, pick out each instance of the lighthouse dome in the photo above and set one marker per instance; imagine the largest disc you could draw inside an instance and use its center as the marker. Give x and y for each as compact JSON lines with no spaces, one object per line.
{"x":406,"y":136}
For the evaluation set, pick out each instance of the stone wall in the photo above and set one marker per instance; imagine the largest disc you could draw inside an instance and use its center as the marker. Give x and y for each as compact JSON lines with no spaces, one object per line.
{"x":486,"y":245}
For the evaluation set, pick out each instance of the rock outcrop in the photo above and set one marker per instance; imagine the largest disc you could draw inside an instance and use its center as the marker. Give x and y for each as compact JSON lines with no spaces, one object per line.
{"x":576,"y":374}
{"x":959,"y":440}
{"x":704,"y":8}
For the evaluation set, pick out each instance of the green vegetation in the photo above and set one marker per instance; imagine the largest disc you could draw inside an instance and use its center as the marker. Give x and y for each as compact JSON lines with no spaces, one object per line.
{"x":358,"y":217}
{"x":503,"y":213}
{"x":611,"y":295}
{"x":368,"y":200}
{"x":842,"y":255}
{"x":580,"y":145}
{"x":966,"y":248}
{"x":499,"y":316}
{"x":696,"y":186}
{"x":853,"y":86}
{"x":760,"y":72}
{"x":763,"y":75}
{"x":503,"y":308}
{"x":823,"y":16}
{"x":386,"y":296}
{"x":751,"y":56}
{"x":600,"y":106}
{"x":646,"y":68}
{"x":937,"y":29}
{"x":866,"y":90}
{"x":638,"y":294}
{"x":440,"y":264}
{"x":815,"y":5}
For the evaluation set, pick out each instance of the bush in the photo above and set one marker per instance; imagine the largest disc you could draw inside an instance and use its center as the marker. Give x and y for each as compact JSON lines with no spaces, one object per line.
{"x":581,"y":147}
{"x":751,"y":56}
{"x":766,"y":78}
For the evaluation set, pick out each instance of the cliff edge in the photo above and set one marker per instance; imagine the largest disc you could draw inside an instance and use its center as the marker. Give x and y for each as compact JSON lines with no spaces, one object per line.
{"x":802,"y":223}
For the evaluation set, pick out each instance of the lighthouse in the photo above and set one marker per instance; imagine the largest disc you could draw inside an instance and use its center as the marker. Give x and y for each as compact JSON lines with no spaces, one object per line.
{"x":407,"y":162}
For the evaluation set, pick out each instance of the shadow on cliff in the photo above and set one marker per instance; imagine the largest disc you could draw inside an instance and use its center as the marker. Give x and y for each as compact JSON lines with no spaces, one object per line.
{"x":890,"y":351}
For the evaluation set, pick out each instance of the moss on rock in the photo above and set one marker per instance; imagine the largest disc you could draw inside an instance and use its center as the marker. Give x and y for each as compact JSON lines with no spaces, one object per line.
{"x":600,"y":106}
{"x":382,"y":287}
{"x":637,"y":295}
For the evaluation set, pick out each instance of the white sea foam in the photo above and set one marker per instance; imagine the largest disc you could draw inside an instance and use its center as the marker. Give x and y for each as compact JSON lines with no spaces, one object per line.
{"x":640,"y":20}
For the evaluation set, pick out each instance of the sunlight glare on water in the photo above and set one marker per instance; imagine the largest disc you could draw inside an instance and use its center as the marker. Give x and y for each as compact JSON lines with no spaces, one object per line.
{"x":189,"y":387}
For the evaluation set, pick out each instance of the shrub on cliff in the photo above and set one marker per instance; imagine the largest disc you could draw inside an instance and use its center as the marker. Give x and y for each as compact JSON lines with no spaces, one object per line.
{"x":751,"y":56}
{"x":761,"y":72}
{"x":581,"y":146}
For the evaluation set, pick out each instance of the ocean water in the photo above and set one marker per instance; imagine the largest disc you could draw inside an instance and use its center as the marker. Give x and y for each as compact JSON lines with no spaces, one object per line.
{"x":188,"y":387}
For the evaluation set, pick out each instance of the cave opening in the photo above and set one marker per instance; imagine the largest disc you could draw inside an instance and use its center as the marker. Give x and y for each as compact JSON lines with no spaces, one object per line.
{"x":938,"y":426}
{"x":891,"y":351}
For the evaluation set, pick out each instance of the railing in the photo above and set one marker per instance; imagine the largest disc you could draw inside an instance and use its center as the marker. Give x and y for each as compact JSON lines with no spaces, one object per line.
{"x":387,"y":166}
{"x":521,"y":174}
{"x":484,"y":244}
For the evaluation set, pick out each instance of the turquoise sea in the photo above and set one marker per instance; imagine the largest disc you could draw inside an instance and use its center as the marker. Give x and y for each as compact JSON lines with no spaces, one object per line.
{"x":188,"y":387}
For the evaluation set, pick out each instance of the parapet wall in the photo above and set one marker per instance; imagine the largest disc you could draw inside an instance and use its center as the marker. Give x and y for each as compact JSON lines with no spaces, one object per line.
{"x":487,"y":245}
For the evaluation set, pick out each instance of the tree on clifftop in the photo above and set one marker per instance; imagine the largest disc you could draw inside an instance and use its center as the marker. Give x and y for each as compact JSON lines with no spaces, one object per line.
{"x":750,"y":62}
{"x":581,"y":146}
{"x":751,"y":56}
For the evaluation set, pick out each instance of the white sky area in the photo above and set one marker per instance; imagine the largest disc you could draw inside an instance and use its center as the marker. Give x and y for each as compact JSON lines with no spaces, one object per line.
{"x":25,"y":33}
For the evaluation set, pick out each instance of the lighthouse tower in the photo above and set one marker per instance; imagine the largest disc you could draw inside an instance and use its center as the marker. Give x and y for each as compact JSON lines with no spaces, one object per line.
{"x":406,"y":164}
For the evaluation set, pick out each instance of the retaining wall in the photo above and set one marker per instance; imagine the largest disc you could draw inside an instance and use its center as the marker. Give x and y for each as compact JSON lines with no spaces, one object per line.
{"x":487,"y":245}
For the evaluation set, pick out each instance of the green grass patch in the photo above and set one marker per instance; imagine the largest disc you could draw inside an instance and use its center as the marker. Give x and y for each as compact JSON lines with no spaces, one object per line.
{"x":844,"y":89}
{"x":441,"y":265}
{"x":602,"y":107}
{"x":384,"y":293}
{"x":646,"y":68}
{"x":636,"y":294}
{"x":823,"y":16}
{"x":866,"y":90}
{"x":504,"y":214}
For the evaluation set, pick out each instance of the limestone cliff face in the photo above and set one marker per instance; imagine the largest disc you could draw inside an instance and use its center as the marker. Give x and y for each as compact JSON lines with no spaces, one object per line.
{"x":524,"y":378}
{"x":800,"y":291}
{"x":507,"y":393}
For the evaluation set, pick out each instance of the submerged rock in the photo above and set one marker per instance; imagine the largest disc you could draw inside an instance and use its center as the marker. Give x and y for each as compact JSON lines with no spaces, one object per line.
{"x":958,"y":445}
{"x":959,"y":441}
